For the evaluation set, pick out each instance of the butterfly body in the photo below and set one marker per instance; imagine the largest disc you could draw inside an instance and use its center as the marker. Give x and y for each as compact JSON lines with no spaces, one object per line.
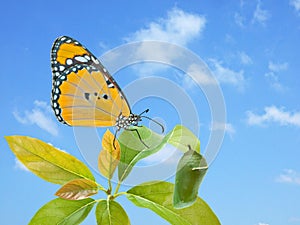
{"x":83,"y":91}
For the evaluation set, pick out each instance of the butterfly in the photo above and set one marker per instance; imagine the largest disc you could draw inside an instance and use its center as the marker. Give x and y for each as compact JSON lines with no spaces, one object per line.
{"x":84,"y":93}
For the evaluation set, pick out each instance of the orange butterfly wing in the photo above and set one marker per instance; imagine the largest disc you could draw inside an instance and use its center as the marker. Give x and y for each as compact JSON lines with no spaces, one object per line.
{"x":83,"y":92}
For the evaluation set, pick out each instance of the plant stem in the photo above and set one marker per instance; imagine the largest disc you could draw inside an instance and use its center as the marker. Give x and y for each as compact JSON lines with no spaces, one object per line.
{"x":117,"y":187}
{"x":118,"y":194}
{"x":109,"y":185}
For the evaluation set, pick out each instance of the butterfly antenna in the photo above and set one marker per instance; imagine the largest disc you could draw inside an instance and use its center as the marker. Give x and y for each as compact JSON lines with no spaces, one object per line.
{"x":162,"y":127}
{"x":147,"y":110}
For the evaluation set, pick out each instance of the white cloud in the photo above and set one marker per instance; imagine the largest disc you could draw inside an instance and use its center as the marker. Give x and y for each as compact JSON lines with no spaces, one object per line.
{"x":245,"y":59}
{"x":167,"y":155}
{"x":228,"y":127}
{"x":289,"y":176}
{"x":179,"y":28}
{"x":20,"y":166}
{"x":263,"y":224}
{"x":260,"y":15}
{"x":226,"y":75}
{"x":57,"y":148}
{"x":40,"y":115}
{"x":200,"y":75}
{"x":273,"y":80}
{"x":277,"y":67}
{"x":295,"y":4}
{"x":239,"y":20}
{"x":275,"y":115}
{"x":272,"y":76}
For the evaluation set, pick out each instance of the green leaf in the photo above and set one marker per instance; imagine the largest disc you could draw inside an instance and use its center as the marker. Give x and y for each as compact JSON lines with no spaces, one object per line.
{"x":109,"y":156}
{"x":77,"y":189}
{"x":157,"y":196}
{"x":63,"y":212}
{"x":133,"y":150}
{"x":111,"y":213}
{"x":181,"y":138}
{"x":46,"y":161}
{"x":190,"y":172}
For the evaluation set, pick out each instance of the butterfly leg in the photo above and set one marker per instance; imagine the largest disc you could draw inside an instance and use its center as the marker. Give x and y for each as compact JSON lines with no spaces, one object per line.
{"x":115,"y":137}
{"x":138,"y":134}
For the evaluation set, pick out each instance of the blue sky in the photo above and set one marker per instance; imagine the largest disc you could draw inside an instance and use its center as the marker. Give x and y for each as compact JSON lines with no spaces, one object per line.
{"x":252,"y":47}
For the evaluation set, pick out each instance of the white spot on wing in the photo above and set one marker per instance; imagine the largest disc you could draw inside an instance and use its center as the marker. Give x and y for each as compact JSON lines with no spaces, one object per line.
{"x":69,"y":62}
{"x":81,"y":59}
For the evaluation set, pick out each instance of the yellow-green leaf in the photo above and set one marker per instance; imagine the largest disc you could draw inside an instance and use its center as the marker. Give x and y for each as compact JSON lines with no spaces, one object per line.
{"x":181,"y":138}
{"x":63,"y":212}
{"x":157,"y":196}
{"x":111,"y":213}
{"x":46,"y":161}
{"x":109,"y":155}
{"x":77,"y":189}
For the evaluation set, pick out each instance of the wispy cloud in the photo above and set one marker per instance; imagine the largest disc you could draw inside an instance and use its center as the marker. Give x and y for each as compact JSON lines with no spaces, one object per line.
{"x":245,"y":59}
{"x":200,"y":75}
{"x":289,"y":176}
{"x":227,"y":127}
{"x":273,"y":114}
{"x":278,"y":67}
{"x":40,"y":115}
{"x":260,"y":15}
{"x":179,"y":27}
{"x":295,"y":4}
{"x":263,"y":224}
{"x":274,"y":82}
{"x":20,"y":166}
{"x":239,"y":20}
{"x":226,"y":75}
{"x":272,"y":76}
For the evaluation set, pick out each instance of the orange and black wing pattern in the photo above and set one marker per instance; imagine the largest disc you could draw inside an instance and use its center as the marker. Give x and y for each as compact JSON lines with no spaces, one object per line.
{"x":83,"y":91}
